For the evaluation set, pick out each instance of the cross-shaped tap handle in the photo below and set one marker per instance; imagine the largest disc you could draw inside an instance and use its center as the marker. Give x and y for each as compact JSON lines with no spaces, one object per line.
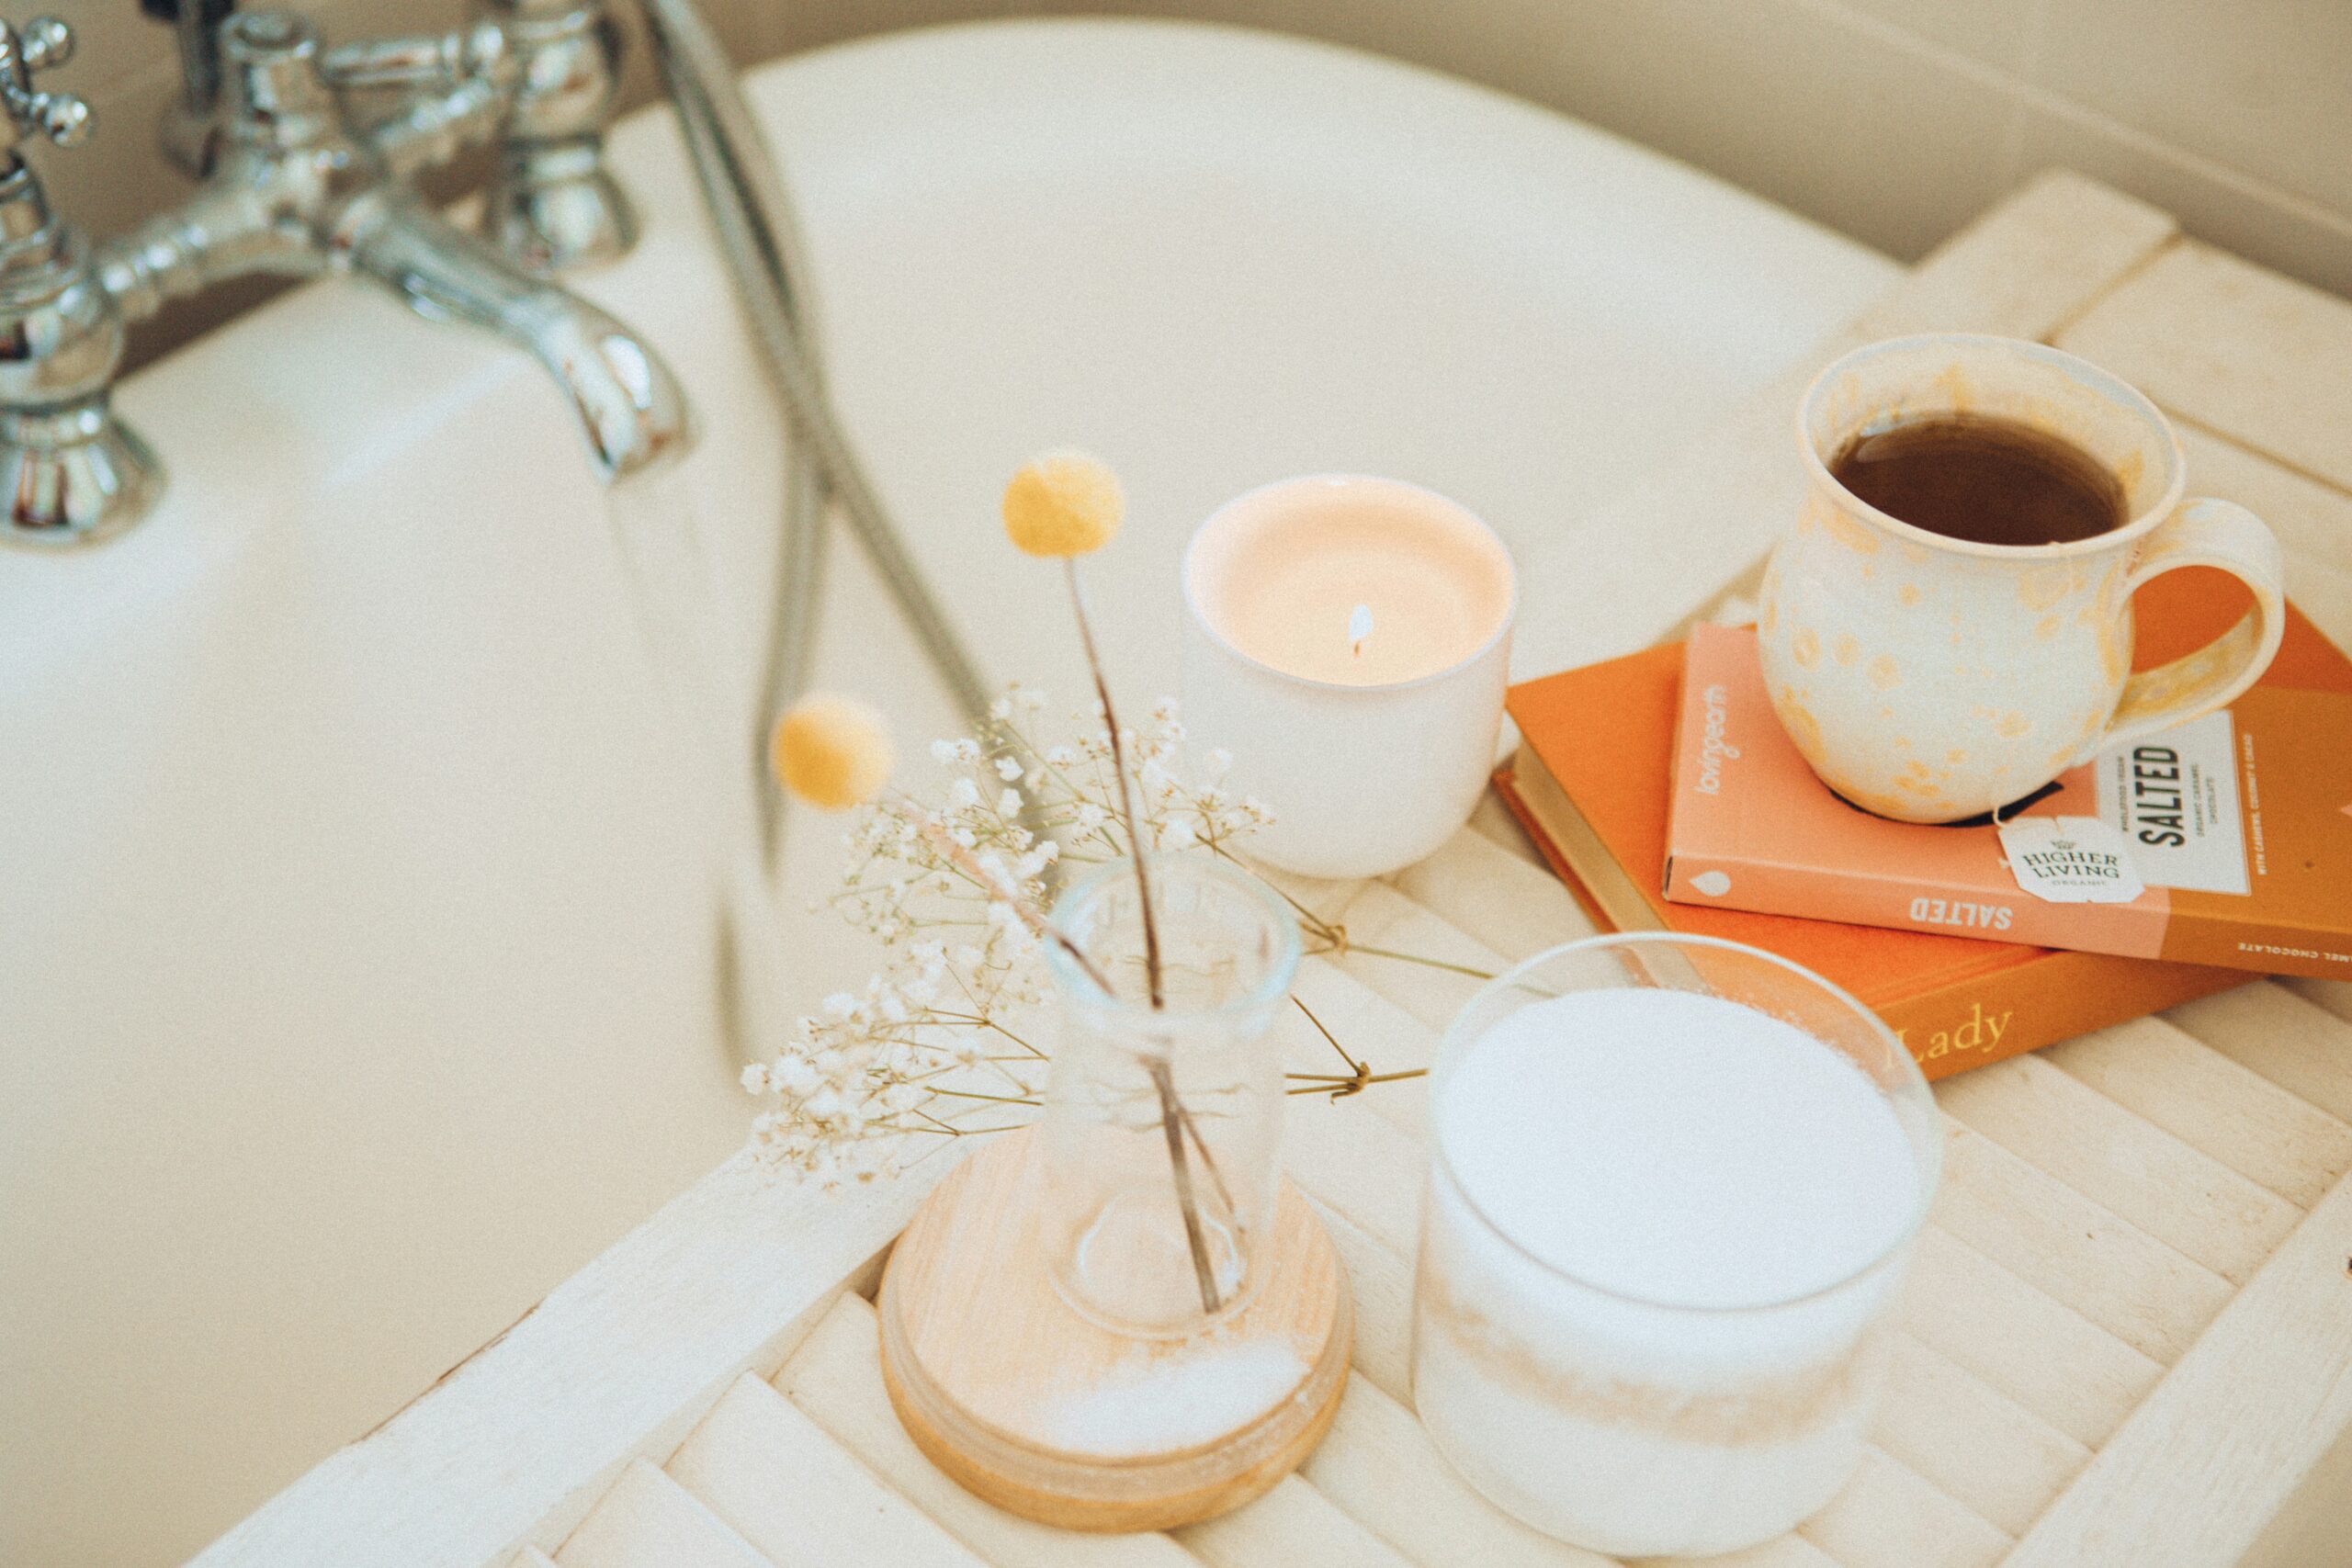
{"x":62,"y":117}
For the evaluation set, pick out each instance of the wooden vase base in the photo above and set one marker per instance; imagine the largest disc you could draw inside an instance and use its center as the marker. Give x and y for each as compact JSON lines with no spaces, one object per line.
{"x":983,"y":1356}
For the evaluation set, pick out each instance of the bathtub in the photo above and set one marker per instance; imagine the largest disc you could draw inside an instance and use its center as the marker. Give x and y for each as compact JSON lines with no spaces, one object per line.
{"x":365,"y":952}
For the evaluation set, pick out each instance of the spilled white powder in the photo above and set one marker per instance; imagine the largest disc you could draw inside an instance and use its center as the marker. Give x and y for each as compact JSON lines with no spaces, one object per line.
{"x":1156,"y":1403}
{"x":1679,"y":1152}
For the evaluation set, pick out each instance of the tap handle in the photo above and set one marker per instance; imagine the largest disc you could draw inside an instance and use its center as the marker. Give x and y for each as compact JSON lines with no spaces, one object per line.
{"x":427,"y":62}
{"x":62,"y":118}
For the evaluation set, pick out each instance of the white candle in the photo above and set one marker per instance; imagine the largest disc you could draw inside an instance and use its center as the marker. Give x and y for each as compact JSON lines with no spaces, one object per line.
{"x":1659,"y":1227}
{"x":1349,"y":640}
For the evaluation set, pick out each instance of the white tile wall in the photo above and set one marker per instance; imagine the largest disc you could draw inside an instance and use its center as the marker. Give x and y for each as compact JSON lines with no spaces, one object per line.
{"x":1894,"y":120}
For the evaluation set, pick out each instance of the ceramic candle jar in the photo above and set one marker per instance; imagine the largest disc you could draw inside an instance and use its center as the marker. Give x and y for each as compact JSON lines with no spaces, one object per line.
{"x":1348,"y":639}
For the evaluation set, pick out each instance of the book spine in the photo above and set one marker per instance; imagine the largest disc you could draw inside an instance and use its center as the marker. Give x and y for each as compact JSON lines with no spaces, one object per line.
{"x":1766,"y":888}
{"x":1974,"y":1023}
{"x":1634,"y":915}
{"x":2195,"y":937}
{"x":2153,"y":928}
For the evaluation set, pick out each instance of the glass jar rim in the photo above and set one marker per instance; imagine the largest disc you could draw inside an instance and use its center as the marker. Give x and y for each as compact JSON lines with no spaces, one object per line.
{"x":1927,"y":1151}
{"x":1207,"y":867}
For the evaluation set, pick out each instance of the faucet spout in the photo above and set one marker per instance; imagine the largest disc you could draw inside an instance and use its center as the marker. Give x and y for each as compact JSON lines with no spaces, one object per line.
{"x":630,"y":407}
{"x":293,"y":184}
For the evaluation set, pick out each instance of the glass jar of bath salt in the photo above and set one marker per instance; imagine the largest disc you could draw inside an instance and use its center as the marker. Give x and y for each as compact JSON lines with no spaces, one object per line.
{"x":1673,"y":1189}
{"x":1164,"y":1126}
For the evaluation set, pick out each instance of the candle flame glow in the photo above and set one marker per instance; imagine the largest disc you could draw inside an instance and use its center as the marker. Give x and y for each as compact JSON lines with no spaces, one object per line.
{"x":1358,"y":628}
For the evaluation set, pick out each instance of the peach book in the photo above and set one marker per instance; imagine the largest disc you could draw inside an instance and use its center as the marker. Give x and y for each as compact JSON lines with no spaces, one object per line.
{"x":1589,"y":784}
{"x":2226,"y":841}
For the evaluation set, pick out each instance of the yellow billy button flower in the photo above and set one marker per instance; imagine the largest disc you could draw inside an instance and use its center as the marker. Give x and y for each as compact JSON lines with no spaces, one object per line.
{"x":1064,"y":503}
{"x":834,"y":752}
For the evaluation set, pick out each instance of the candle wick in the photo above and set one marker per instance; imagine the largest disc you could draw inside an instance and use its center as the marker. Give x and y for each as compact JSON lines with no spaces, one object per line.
{"x":1358,"y":628}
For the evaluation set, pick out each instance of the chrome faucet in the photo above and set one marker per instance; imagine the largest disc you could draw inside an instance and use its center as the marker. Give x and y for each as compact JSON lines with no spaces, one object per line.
{"x":539,"y":77}
{"x":296,"y":183}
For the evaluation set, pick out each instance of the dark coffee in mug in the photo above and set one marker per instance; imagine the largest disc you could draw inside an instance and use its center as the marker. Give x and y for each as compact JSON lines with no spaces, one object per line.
{"x":1990,"y":481}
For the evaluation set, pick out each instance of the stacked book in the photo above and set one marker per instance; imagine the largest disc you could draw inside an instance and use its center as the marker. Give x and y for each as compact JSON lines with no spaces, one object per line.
{"x":1665,"y":794}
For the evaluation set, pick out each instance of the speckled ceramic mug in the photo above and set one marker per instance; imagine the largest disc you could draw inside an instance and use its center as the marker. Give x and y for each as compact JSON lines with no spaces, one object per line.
{"x":1931,"y":679}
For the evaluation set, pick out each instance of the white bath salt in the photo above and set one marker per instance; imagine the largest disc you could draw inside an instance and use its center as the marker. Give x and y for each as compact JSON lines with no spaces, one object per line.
{"x":1678,"y":1148}
{"x":1154,"y":1403}
{"x":1659,"y":1161}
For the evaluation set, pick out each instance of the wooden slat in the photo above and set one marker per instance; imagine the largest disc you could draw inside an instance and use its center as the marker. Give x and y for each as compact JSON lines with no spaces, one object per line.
{"x":1357,"y":1164}
{"x":2117,"y":1275}
{"x":2250,"y":1124}
{"x":1379,"y":916}
{"x":1292,"y":1527}
{"x":1492,"y":821}
{"x":1890,"y":1508}
{"x":677,"y":1308}
{"x":2313,"y":521}
{"x":1510,"y":905}
{"x":2193,"y":1476}
{"x":2023,"y":1341}
{"x":2028,"y":266}
{"x":2281,"y":1036}
{"x":1889,"y":1518}
{"x":1318,"y":896}
{"x":1374,"y":1031}
{"x":1380,"y":1283}
{"x":759,"y":1462}
{"x":2310,"y":1528}
{"x":2260,"y":357}
{"x":2064,"y":1127}
{"x":1379,"y":1464}
{"x":2329,"y":996}
{"x":1979,"y":1446}
{"x":836,"y":1379}
{"x":1363,"y":1177}
{"x":647,"y":1520}
{"x":1380,"y":920}
{"x":1787,"y":1551}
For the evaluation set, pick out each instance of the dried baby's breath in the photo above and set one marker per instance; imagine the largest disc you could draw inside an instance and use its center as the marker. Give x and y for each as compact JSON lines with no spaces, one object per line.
{"x":941,"y":1042}
{"x":945,"y":1040}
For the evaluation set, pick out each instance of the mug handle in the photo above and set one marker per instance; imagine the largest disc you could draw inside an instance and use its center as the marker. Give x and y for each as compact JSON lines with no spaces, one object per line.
{"x":2205,"y":532}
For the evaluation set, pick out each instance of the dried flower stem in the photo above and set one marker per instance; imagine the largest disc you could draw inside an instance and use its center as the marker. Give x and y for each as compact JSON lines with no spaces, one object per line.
{"x":1172,"y":1120}
{"x":959,"y":890}
{"x":1472,"y":971}
{"x":1152,"y":983}
{"x":1173,"y":1117}
{"x":1335,"y":940}
{"x":970,"y":864}
{"x":1338,"y":1086}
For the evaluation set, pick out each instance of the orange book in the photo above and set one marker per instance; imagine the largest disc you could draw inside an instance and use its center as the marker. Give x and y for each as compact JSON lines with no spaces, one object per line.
{"x":1590,"y":782}
{"x":2227,"y":839}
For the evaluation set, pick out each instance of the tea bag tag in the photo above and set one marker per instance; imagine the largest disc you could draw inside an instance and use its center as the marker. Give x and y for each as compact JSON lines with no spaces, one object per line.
{"x":2070,"y":860}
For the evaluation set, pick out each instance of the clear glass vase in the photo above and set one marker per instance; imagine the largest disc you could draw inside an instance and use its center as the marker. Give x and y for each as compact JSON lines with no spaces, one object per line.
{"x":1163,"y":1126}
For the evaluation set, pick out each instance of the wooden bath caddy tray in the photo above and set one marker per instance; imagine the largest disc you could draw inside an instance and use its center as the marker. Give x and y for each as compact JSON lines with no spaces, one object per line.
{"x":2128,"y":1342}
